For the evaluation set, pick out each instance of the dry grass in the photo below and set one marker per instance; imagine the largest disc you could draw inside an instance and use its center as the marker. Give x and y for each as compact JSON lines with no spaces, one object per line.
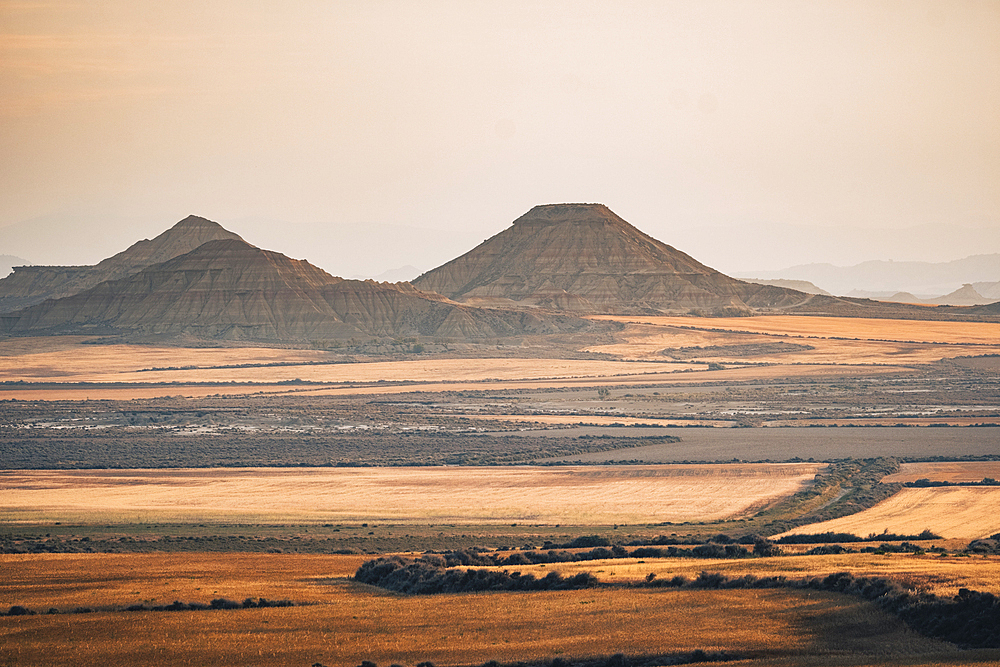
{"x":941,"y":576}
{"x":834,"y":340}
{"x":69,"y":359}
{"x":952,"y":512}
{"x":689,"y":377}
{"x":348,"y":623}
{"x":67,"y":581}
{"x":69,"y":362}
{"x":946,"y":471}
{"x":584,"y":495}
{"x":948,"y":333}
{"x":753,"y":373}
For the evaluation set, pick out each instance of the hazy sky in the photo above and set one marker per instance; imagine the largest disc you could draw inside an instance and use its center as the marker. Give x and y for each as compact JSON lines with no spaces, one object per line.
{"x":749,"y":134}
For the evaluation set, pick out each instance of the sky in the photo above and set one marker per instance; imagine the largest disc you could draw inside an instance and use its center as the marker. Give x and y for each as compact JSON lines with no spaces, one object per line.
{"x":364,"y":136}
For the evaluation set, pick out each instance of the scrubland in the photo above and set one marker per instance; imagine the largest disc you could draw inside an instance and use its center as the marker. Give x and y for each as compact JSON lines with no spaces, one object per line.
{"x":418,"y":409}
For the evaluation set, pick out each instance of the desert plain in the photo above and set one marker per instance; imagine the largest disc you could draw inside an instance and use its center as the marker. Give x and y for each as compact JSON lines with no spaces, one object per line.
{"x":144,"y":474}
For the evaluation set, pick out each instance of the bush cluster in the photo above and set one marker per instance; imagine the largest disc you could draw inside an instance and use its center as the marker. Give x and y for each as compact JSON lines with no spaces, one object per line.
{"x":176,"y":605}
{"x":425,"y":577}
{"x":830,"y":537}
{"x":616,"y":660}
{"x":971,"y":619}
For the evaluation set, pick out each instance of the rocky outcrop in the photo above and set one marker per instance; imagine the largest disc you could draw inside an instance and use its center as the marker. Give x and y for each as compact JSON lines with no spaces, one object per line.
{"x":231,"y":290}
{"x":583,"y":257}
{"x":29,"y":285}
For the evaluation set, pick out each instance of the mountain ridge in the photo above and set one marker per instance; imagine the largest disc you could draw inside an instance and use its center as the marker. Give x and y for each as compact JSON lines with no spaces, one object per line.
{"x":890,"y":276}
{"x":30,"y":285}
{"x":227,"y":289}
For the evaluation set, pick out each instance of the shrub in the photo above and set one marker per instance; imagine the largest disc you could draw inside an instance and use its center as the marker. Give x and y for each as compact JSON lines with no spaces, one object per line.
{"x":223,"y":603}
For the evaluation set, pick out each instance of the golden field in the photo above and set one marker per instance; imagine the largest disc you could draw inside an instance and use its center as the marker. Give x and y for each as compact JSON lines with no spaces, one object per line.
{"x":946,"y":471}
{"x":579,"y":495}
{"x":56,"y":392}
{"x":882,"y":348}
{"x":346,"y":623}
{"x":929,"y":572}
{"x":922,"y":331}
{"x":133,"y":363}
{"x":952,"y":512}
{"x":849,"y":341}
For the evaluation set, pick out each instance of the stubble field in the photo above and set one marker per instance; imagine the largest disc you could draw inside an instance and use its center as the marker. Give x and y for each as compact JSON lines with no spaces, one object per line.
{"x":578,"y":495}
{"x":790,"y":340}
{"x":953,"y":512}
{"x":946,"y":471}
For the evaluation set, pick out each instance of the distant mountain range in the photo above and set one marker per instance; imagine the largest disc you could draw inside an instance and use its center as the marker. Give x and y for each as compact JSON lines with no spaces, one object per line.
{"x":400,"y":274}
{"x":888,"y":277}
{"x":967,"y":295}
{"x":800,"y":285}
{"x":8,"y":262}
{"x":555,"y":263}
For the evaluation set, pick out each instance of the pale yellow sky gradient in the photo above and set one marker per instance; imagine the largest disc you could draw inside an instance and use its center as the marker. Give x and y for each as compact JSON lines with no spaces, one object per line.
{"x":300,"y":125}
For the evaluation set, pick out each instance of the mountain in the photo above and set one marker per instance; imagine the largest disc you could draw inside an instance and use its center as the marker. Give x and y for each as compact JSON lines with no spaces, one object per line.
{"x":8,"y":262}
{"x":583,"y":257}
{"x":990,"y":290}
{"x":890,"y":277}
{"x":29,"y":285}
{"x":800,"y":285}
{"x":755,"y":248}
{"x":966,"y":295}
{"x":901,"y":297}
{"x":400,"y":274}
{"x":228,"y":289}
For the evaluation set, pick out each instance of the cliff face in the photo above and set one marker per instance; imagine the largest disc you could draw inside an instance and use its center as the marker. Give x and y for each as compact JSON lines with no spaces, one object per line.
{"x":583,"y":257}
{"x":228,"y":289}
{"x":29,"y":285}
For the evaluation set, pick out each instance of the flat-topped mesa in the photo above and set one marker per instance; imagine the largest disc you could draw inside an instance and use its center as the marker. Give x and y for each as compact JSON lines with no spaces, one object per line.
{"x":584,"y":257}
{"x":578,"y":214}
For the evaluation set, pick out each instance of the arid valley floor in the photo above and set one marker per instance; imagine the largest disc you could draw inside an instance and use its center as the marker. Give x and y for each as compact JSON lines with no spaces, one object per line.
{"x":140,"y":475}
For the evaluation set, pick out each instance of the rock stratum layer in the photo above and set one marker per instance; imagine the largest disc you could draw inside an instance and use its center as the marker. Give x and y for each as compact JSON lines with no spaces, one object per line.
{"x":231,"y":290}
{"x":29,"y":285}
{"x":583,"y":257}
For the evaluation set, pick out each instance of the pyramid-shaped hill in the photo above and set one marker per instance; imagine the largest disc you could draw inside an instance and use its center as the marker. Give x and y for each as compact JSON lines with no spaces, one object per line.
{"x":583,"y":257}
{"x":229,"y":289}
{"x":29,"y":285}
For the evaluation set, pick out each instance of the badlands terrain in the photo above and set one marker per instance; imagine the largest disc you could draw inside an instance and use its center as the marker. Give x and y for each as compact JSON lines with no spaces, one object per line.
{"x":197,"y":422}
